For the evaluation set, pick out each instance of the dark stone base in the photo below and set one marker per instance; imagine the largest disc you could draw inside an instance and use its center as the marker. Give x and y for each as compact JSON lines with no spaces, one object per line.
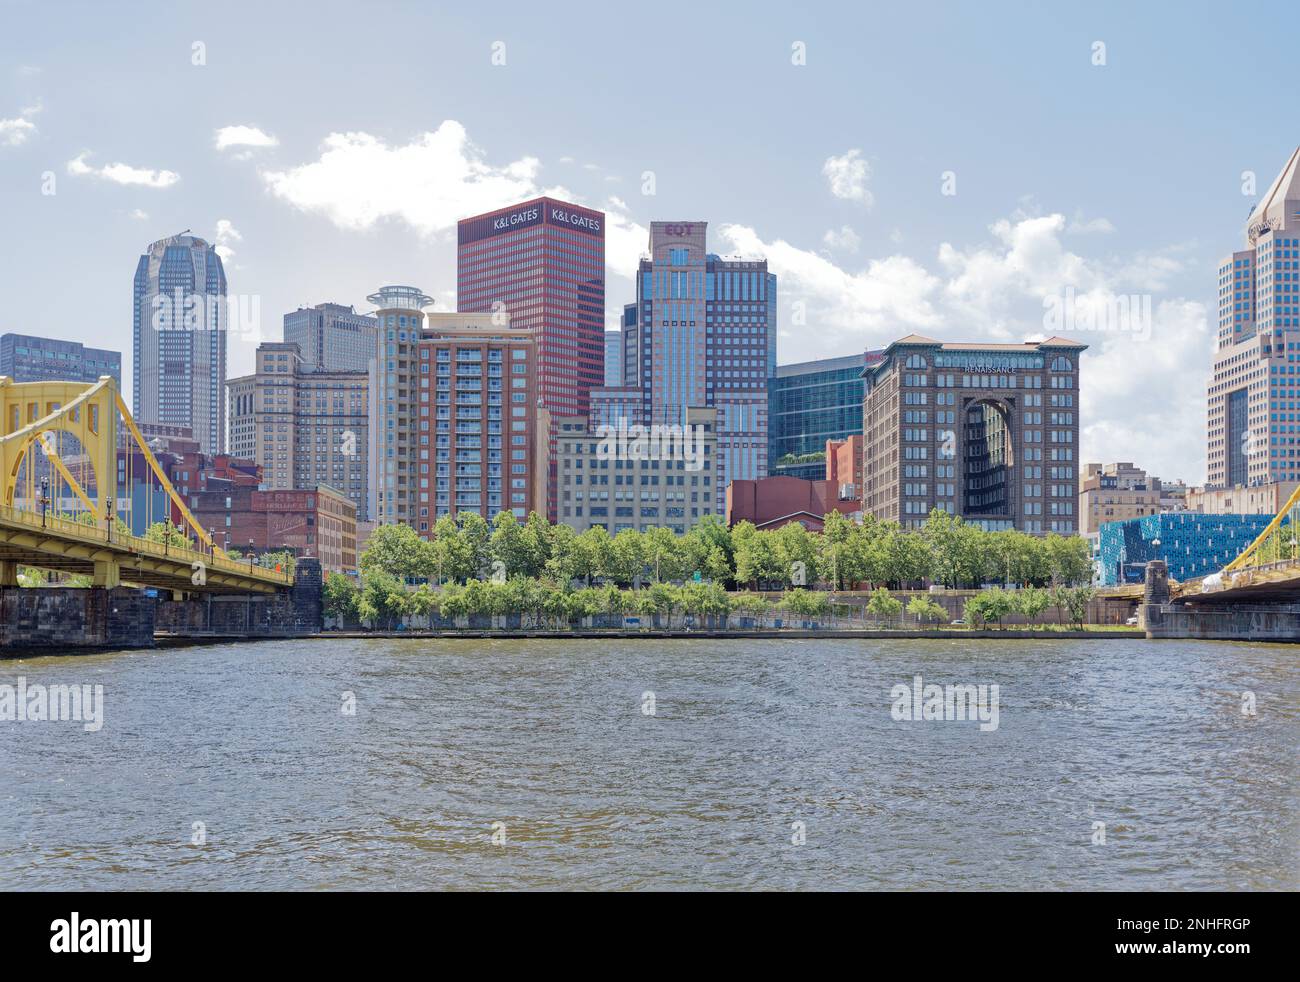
{"x":58,"y":619}
{"x":293,"y":613}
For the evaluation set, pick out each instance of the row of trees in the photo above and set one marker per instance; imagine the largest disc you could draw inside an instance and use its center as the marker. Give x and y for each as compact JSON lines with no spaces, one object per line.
{"x":385,"y":600}
{"x":844,"y":555}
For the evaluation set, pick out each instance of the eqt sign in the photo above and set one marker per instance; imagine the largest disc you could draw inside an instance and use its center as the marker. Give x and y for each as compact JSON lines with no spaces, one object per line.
{"x":680,"y":228}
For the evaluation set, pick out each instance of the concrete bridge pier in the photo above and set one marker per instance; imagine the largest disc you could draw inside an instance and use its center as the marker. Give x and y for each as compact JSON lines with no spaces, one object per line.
{"x":1243,"y":620}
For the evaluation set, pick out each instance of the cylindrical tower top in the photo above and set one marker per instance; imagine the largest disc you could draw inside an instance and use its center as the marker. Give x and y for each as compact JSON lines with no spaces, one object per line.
{"x":400,"y":298}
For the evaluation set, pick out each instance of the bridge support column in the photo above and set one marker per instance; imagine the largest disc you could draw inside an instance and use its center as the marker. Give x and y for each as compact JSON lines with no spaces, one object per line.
{"x":108,"y":573}
{"x":8,"y":573}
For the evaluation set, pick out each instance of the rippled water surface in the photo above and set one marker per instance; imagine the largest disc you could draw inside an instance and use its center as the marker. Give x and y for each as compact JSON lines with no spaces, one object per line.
{"x":748,"y":738}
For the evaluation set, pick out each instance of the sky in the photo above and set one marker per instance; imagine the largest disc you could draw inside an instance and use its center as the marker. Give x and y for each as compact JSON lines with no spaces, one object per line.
{"x":990,"y":171}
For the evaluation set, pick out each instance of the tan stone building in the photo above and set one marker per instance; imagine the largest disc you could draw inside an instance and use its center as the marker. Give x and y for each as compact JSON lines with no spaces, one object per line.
{"x":606,"y":477}
{"x":988,"y":432}
{"x":1114,"y":493}
{"x":304,"y":427}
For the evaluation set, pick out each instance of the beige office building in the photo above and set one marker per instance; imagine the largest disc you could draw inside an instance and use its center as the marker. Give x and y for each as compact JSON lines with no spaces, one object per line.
{"x":305,"y":428}
{"x":621,"y":477}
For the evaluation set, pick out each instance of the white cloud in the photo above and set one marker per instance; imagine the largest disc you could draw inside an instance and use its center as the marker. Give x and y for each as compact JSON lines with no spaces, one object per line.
{"x":122,"y":173}
{"x":1135,"y":382}
{"x":244,"y":136}
{"x":843,"y":238}
{"x":17,"y":131}
{"x":847,"y":176}
{"x":1089,"y":226}
{"x":429,"y":183}
{"x":139,"y":215}
{"x":226,"y":234}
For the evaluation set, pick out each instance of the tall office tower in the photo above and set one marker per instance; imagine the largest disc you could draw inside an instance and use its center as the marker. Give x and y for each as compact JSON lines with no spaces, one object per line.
{"x":395,"y":384}
{"x":304,"y":425}
{"x":613,"y":358}
{"x":989,"y":432}
{"x":707,"y":337}
{"x":1253,"y":395}
{"x":332,"y":337}
{"x":484,"y":444}
{"x":807,"y":404}
{"x":542,"y":263}
{"x":25,"y":358}
{"x":179,"y":339}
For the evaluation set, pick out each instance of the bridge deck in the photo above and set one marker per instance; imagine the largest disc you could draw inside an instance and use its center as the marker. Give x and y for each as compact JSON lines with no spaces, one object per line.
{"x":73,"y":547}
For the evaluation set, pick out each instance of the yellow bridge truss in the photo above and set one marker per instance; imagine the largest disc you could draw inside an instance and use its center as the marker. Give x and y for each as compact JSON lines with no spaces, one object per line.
{"x":1276,"y":544}
{"x":32,"y":415}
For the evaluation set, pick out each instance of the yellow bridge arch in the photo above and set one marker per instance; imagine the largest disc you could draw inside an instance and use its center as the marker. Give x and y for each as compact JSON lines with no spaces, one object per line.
{"x":92,"y":413}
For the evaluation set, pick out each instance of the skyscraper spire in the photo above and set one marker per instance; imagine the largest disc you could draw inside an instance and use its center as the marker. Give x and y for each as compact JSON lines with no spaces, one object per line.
{"x":1279,"y":208}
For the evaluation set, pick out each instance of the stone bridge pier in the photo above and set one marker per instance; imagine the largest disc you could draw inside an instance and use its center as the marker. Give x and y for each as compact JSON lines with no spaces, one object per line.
{"x":64,"y":620}
{"x":1243,"y":620}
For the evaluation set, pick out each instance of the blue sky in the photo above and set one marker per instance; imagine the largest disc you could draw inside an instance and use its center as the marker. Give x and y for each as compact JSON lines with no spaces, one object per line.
{"x":333,"y":146}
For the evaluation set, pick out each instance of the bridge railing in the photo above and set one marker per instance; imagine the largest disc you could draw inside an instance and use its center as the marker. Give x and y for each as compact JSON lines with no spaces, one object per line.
{"x":161,"y":550}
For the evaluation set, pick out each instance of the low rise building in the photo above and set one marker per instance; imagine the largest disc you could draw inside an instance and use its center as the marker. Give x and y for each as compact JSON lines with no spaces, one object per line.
{"x":320,"y":522}
{"x":629,"y":476}
{"x":771,"y":502}
{"x":1258,"y":499}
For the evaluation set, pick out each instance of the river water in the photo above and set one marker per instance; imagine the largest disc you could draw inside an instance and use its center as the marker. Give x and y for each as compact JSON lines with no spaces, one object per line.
{"x":713,"y":764}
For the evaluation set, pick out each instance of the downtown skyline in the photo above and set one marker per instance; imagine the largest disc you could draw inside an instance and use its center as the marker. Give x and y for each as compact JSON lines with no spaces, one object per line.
{"x":849,"y":215}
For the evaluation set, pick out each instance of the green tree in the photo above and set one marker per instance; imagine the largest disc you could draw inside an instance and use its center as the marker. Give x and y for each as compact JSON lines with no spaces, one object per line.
{"x":397,"y":550}
{"x":989,"y":605}
{"x":883,"y":604}
{"x":806,"y":603}
{"x":926,"y":610}
{"x":1032,"y":601}
{"x":451,"y":553}
{"x":1069,"y":558}
{"x":794,"y":544}
{"x":383,"y":598}
{"x":339,"y":595}
{"x":168,"y":534}
{"x":595,"y":554}
{"x":757,"y":557}
{"x":627,"y":558}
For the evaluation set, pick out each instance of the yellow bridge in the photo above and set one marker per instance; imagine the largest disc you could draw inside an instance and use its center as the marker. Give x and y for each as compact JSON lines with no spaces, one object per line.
{"x":1267,"y":570}
{"x":74,"y":427}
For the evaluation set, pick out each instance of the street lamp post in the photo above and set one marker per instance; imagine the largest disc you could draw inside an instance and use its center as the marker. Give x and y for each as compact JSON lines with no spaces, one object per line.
{"x":45,"y":498}
{"x":250,"y":553}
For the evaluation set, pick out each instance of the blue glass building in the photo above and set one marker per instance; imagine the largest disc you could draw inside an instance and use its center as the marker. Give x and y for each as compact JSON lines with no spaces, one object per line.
{"x":809,"y":403}
{"x":1191,"y":544}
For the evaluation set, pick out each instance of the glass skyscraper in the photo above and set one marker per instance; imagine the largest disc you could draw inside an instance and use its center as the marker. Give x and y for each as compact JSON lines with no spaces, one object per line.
{"x":179,"y":339}
{"x":706,"y":337}
{"x":1254,"y":394}
{"x":808,"y":404}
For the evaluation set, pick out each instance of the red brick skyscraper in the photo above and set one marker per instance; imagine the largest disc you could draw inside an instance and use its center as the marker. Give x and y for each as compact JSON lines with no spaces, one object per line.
{"x":543,"y":263}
